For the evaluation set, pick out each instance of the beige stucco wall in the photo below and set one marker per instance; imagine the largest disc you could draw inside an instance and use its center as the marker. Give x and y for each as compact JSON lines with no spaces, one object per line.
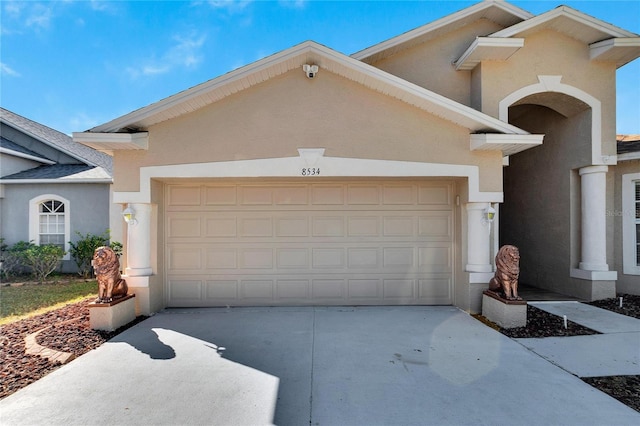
{"x":626,"y":283}
{"x":541,"y":186}
{"x":274,"y":119}
{"x":549,"y":52}
{"x":429,"y":64}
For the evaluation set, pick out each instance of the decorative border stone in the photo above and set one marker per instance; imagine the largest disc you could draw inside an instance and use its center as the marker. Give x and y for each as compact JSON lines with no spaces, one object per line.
{"x":33,"y":348}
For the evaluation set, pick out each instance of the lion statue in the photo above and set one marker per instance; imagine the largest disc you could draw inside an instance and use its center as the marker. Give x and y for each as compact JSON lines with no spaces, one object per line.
{"x":107,"y":268}
{"x":505,"y":281}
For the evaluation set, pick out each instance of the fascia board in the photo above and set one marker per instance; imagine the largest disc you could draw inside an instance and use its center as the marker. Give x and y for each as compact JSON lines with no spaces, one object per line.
{"x":620,"y":50}
{"x":508,"y":144}
{"x":503,"y":48}
{"x":41,"y":181}
{"x":49,"y":144}
{"x":26,"y":156}
{"x":568,"y":12}
{"x":113,"y":141}
{"x":440,"y":23}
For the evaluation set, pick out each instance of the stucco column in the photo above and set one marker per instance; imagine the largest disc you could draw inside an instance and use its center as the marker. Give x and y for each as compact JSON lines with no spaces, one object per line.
{"x":478,"y":241}
{"x":594,"y":223}
{"x":139,"y":242}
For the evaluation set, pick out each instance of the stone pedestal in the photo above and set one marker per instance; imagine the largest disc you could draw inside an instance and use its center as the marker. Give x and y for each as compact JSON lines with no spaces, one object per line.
{"x":505,"y":313}
{"x":112,"y":315}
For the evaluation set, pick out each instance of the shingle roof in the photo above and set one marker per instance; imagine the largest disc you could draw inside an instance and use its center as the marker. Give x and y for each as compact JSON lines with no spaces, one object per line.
{"x":7,"y":144}
{"x":58,"y":140}
{"x":628,"y":143}
{"x":62,"y":172}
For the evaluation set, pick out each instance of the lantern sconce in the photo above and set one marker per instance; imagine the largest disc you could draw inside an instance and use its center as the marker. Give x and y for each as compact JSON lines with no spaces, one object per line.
{"x":129,"y":215}
{"x":488,"y":215}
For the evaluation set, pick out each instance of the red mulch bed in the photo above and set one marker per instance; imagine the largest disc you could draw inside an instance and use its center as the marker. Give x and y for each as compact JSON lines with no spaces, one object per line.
{"x":69,"y":332}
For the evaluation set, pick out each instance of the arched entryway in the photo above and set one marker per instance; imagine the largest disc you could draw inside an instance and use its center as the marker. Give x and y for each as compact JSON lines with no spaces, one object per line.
{"x":555,"y":194}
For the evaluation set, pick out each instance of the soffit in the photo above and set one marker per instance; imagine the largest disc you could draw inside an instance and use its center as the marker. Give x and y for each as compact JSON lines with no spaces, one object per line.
{"x":499,"y":12}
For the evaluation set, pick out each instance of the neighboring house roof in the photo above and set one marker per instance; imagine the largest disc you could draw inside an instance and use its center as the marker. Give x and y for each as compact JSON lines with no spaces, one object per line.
{"x":628,"y":143}
{"x":93,"y":165}
{"x":294,"y":58}
{"x":60,"y":172}
{"x":500,"y":12}
{"x":57,"y":140}
{"x":11,"y":148}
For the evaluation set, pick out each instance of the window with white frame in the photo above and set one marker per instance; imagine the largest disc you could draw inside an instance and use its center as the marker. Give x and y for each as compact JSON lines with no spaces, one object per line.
{"x":631,"y":223}
{"x":49,"y":221}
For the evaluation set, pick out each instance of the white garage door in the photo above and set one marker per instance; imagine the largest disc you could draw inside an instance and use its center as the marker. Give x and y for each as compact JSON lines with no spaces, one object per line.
{"x":321,"y":243}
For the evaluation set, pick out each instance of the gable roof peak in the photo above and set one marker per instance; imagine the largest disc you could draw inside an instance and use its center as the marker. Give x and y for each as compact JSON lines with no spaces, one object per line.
{"x":498,"y":11}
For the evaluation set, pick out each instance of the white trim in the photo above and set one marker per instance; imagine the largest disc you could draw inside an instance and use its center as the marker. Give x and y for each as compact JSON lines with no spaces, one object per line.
{"x":629,"y":264}
{"x":551,"y":83}
{"x":499,"y":48}
{"x":34,"y":220}
{"x":508,"y":144}
{"x":620,"y":50}
{"x":39,"y":181}
{"x":441,"y":23}
{"x":583,"y":274}
{"x":113,"y":141}
{"x":568,"y":12}
{"x":25,"y":156}
{"x":290,"y":167}
{"x":628,"y":156}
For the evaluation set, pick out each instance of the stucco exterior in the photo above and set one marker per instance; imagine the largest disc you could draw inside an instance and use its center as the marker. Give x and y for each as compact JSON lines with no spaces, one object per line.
{"x":516,"y":111}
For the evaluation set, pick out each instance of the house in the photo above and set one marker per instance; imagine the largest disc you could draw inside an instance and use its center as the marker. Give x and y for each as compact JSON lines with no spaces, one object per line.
{"x":626,"y":214}
{"x":50,"y":187}
{"x":387,"y":177}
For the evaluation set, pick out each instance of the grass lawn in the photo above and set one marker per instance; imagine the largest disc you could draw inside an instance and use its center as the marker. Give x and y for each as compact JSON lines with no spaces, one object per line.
{"x":32,"y":299}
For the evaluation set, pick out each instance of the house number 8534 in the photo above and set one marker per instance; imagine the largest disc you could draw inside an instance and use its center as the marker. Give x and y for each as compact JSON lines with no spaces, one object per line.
{"x":312,"y":171}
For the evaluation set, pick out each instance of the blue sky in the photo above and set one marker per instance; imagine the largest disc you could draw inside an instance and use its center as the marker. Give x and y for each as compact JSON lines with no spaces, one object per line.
{"x":72,"y":65}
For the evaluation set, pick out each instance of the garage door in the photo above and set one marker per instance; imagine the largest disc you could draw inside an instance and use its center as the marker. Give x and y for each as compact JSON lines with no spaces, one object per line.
{"x":321,"y":243}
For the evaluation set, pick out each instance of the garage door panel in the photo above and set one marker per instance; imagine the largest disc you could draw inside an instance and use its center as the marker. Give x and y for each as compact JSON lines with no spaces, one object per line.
{"x":184,"y":258}
{"x":256,"y":258}
{"x":292,"y":289}
{"x":220,"y":227}
{"x":222,"y":290}
{"x":370,"y":243}
{"x":398,"y":289}
{"x":296,"y":226}
{"x":220,"y":195}
{"x":292,"y":258}
{"x":435,"y":290}
{"x":256,"y":290}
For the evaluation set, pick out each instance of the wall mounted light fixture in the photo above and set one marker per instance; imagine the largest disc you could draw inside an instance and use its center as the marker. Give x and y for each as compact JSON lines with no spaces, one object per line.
{"x":488,"y":214}
{"x":129,"y":215}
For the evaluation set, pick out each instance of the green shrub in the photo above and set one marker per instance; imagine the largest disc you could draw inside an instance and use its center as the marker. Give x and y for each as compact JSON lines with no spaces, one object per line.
{"x":42,"y":260}
{"x":12,"y":264}
{"x":82,"y":250}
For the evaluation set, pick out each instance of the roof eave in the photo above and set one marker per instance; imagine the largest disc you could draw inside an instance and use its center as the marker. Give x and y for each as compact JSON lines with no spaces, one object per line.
{"x":395,"y":42}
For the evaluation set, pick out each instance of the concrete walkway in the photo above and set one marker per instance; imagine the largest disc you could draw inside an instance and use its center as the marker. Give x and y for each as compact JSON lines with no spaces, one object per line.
{"x":616,"y":352}
{"x":318,"y":366}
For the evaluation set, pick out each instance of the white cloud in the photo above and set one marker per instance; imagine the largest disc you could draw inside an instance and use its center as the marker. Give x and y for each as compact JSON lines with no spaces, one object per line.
{"x":13,"y":8}
{"x":8,"y":71}
{"x":185,"y":53}
{"x":293,"y":4}
{"x":39,"y":16}
{"x":230,"y":6}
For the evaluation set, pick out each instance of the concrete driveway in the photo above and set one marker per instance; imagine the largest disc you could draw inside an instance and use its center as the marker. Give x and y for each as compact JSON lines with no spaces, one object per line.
{"x":312,"y":366}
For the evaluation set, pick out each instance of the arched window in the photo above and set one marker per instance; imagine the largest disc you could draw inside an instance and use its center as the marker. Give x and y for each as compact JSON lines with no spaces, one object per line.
{"x":49,"y":221}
